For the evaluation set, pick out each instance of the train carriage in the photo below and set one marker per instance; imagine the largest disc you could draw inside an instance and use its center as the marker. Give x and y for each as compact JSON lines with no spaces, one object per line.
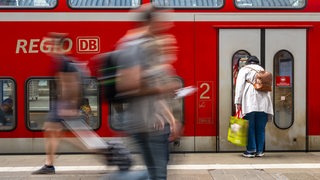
{"x":214,"y":38}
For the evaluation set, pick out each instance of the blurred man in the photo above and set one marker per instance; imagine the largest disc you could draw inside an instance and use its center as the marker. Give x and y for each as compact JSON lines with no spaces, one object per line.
{"x":146,"y":83}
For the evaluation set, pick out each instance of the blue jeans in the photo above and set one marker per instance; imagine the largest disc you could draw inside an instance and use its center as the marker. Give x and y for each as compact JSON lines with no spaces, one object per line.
{"x":256,"y":133}
{"x":155,"y":151}
{"x":125,"y":175}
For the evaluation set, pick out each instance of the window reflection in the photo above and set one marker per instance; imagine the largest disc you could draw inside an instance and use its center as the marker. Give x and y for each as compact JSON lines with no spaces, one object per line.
{"x":41,"y":95}
{"x":7,"y":106}
{"x":28,"y":3}
{"x":270,"y":4}
{"x":188,"y":3}
{"x":105,"y":3}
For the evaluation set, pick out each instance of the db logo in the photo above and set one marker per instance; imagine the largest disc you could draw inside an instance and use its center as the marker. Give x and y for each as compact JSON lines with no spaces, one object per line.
{"x":88,"y":44}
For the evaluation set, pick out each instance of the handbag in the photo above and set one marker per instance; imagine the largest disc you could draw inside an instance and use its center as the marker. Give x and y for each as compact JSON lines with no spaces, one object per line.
{"x":238,"y":130}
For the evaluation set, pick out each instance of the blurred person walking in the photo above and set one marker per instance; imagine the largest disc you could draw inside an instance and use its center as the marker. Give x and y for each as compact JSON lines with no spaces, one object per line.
{"x":66,"y":103}
{"x":255,"y":105}
{"x":146,"y":82}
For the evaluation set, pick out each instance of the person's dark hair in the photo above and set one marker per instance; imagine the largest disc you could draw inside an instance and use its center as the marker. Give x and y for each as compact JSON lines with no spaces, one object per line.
{"x":252,"y":60}
{"x":8,"y":102}
{"x":147,"y":15}
{"x":85,"y":101}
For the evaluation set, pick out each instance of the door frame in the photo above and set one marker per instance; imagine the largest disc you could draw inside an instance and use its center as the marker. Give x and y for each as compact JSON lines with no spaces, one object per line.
{"x":263,"y":43}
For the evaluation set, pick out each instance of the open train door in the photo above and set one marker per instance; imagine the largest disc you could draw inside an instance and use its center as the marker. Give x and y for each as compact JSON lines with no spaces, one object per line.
{"x":282,"y":52}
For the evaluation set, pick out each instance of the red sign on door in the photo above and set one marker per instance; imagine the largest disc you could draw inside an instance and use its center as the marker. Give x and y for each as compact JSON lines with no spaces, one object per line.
{"x":283,"y":81}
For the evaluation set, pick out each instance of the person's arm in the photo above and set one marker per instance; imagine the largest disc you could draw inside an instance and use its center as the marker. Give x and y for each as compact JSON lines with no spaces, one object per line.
{"x":129,"y":81}
{"x":240,"y":84}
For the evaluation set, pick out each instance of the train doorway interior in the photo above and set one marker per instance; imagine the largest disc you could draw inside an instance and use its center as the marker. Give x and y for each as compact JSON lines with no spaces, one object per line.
{"x":282,"y":52}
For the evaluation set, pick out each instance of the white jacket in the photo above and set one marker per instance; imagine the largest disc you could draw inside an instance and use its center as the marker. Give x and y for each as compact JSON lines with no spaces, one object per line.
{"x":245,"y":94}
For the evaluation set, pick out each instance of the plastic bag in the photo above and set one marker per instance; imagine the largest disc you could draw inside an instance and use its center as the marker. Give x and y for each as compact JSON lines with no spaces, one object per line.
{"x":238,"y":130}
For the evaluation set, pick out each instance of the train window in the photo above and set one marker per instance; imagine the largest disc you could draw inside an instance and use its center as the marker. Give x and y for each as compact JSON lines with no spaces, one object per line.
{"x":239,"y":59}
{"x":283,"y":89}
{"x":270,"y":4}
{"x":117,"y":120}
{"x":104,"y":3}
{"x":188,"y":3}
{"x":28,"y":3}
{"x":41,"y":95}
{"x":7,"y":106}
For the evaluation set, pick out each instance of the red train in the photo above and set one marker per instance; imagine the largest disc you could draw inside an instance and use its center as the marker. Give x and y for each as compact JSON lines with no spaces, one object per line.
{"x":214,"y":37}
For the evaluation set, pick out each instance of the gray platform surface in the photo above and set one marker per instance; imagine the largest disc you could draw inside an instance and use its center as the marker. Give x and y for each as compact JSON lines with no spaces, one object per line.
{"x":182,"y":166}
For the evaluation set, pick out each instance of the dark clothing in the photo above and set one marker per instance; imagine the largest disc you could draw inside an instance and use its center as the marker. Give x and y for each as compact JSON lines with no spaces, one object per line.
{"x":6,"y":112}
{"x":65,"y":65}
{"x":3,"y":119}
{"x":53,"y":115}
{"x":256,"y":132}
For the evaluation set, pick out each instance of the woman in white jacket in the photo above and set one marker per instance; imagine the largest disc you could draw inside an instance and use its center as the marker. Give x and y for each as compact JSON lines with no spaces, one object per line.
{"x":254,"y":105}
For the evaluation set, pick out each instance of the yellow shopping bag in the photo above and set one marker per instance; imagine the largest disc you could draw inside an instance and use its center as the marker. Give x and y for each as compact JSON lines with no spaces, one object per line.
{"x":238,"y":130}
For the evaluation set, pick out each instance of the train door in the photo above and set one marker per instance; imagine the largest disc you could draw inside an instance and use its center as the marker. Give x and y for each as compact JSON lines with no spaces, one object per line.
{"x":283,"y":52}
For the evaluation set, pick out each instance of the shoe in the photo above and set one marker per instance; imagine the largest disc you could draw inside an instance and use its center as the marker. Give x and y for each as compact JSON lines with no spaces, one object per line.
{"x":248,"y":154}
{"x":45,"y":170}
{"x":259,"y":154}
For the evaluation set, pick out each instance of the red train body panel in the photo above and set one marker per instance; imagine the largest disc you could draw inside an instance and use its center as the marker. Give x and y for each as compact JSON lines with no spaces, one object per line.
{"x":201,"y":34}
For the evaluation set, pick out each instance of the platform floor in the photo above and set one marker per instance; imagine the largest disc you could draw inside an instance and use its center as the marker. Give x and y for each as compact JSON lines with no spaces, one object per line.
{"x":183,"y":166}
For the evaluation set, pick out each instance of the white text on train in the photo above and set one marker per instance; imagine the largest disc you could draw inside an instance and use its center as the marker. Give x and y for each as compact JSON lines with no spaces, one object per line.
{"x":43,"y":45}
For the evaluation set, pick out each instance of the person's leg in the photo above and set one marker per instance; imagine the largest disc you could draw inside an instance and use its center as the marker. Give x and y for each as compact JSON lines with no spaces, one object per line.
{"x":261,"y":121}
{"x":251,"y":146}
{"x":52,"y":134}
{"x":159,"y":142}
{"x":126,"y":175}
{"x":154,"y":147}
{"x":141,"y":140}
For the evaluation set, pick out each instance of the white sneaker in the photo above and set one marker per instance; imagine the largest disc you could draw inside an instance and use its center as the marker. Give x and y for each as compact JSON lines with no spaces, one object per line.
{"x":259,"y":154}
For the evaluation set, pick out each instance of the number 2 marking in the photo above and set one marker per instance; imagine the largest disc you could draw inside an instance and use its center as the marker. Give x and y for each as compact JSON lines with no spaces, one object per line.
{"x":204,"y":94}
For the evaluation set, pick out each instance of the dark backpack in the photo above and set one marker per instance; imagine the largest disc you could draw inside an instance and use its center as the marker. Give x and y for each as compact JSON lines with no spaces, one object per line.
{"x":262,"y":80}
{"x":107,"y":73}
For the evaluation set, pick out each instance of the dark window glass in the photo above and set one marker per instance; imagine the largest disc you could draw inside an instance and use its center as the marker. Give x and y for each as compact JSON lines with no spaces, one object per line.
{"x":283,"y":89}
{"x":8,"y":105}
{"x":40,"y":97}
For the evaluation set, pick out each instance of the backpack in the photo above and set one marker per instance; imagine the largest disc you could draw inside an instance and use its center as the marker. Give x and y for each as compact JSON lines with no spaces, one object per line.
{"x":262,"y":80}
{"x":107,"y":73}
